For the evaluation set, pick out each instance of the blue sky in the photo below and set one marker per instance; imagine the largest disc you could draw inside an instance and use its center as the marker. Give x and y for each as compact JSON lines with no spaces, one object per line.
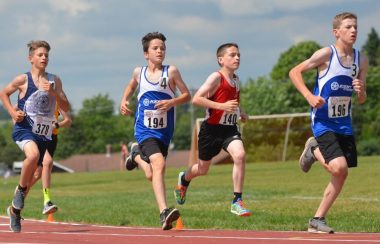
{"x":96,"y":44}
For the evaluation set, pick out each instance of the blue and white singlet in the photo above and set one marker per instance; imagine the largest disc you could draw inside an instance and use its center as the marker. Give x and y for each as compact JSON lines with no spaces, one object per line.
{"x":39,"y":108}
{"x":150,"y":122}
{"x":335,"y":86}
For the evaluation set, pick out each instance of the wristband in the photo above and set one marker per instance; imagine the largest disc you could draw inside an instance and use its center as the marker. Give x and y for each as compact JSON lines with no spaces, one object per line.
{"x":56,"y":125}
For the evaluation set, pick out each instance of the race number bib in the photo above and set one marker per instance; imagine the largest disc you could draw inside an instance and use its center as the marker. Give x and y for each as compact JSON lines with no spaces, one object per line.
{"x":229,"y":118}
{"x":155,"y":119}
{"x":43,"y":126}
{"x":338,"y":107}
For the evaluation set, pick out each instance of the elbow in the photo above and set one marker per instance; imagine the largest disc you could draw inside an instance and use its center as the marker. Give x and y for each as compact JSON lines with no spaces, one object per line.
{"x":195,"y":101}
{"x":291,"y":74}
{"x":69,"y":122}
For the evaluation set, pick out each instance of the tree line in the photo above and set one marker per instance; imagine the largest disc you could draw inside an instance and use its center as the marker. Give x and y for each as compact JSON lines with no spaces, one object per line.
{"x":96,"y":124}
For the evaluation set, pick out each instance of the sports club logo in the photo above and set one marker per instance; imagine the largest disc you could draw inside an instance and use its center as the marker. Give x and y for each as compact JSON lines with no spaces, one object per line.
{"x":146,"y":102}
{"x":334,"y":86}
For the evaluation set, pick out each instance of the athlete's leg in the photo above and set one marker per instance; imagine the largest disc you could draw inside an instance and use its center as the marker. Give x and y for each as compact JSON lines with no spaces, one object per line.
{"x":146,"y":167}
{"x":339,"y":171}
{"x":237,"y":152}
{"x":29,"y":164}
{"x":157,"y":161}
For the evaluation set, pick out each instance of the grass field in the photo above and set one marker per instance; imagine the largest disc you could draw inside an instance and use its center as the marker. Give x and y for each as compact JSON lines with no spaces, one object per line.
{"x":279,"y":194}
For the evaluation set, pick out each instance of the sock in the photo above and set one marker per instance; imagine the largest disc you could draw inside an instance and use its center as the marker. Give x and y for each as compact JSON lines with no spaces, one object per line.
{"x":184,"y":182}
{"x":320,"y":218}
{"x":237,"y":195}
{"x":46,"y":192}
{"x":23,"y":189}
{"x":16,"y":211}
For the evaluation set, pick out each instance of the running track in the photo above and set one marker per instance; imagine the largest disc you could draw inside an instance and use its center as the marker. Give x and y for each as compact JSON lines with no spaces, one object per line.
{"x":36,"y":231}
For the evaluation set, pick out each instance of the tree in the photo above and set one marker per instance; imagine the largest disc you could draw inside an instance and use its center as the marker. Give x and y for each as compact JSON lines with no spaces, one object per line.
{"x":4,"y":113}
{"x":95,"y":126}
{"x":293,"y":56}
{"x":372,"y":48}
{"x":9,"y":150}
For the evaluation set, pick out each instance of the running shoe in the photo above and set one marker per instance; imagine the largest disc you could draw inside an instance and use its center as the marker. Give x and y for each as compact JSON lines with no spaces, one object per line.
{"x":239,"y":209}
{"x":130,"y":163}
{"x":180,"y":190}
{"x":168,"y":216}
{"x":319,"y":226}
{"x":14,"y":220}
{"x":18,"y":199}
{"x":307,"y":157}
{"x":49,"y":208}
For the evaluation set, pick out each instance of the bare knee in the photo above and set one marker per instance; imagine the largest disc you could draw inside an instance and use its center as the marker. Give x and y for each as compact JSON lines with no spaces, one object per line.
{"x":239,"y":158}
{"x":340,"y":172}
{"x":148,"y":176}
{"x":203,"y":169}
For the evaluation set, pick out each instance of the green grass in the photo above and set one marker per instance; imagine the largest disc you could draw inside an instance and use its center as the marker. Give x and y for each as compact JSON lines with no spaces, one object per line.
{"x":280,"y":195}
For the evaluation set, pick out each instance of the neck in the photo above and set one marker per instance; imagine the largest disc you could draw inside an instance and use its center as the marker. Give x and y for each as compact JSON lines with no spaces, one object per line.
{"x":344,"y":50}
{"x":37,"y":72}
{"x":228,"y":73}
{"x":153,"y":67}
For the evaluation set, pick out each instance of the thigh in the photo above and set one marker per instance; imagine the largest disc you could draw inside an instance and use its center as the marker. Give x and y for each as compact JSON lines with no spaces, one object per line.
{"x":230,"y":134}
{"x":152,"y":146}
{"x":209,"y":142}
{"x":348,"y":145}
{"x":329,"y":146}
{"x":52,"y":145}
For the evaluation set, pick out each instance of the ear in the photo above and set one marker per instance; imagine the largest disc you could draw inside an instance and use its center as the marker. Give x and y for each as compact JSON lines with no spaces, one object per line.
{"x":146,"y":55}
{"x":220,"y":59}
{"x":335,"y":33}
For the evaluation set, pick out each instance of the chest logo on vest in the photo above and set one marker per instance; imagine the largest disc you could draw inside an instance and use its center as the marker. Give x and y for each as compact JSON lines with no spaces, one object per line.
{"x":334,"y":86}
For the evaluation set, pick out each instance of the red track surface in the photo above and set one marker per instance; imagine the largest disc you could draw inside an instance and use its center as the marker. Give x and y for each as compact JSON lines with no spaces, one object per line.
{"x":34,"y":231}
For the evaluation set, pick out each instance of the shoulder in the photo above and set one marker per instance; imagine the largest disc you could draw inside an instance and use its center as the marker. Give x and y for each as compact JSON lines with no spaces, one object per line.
{"x":137,"y":70}
{"x":173,"y":69}
{"x":323,"y":53}
{"x":363,"y":59}
{"x":20,"y":79}
{"x":215,"y":76}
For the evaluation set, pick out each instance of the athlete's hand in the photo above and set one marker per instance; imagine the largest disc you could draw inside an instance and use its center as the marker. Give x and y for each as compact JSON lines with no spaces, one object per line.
{"x":230,"y":106}
{"x":315,"y":101}
{"x":124,"y":110}
{"x":47,"y":86}
{"x":18,"y":115}
{"x":243,"y":117}
{"x":358,"y":86}
{"x":164,"y":105}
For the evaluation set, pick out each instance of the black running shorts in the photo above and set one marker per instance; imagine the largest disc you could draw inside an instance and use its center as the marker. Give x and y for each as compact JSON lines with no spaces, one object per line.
{"x":333,"y":145}
{"x":213,"y":138}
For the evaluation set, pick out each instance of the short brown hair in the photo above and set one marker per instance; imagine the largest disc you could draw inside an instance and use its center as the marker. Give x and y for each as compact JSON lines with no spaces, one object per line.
{"x":150,"y":36}
{"x":337,"y":21}
{"x":35,"y":44}
{"x":222,"y":49}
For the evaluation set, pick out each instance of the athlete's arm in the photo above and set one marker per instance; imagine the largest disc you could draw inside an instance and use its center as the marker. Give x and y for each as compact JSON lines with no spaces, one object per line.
{"x":60,"y":95}
{"x":207,"y":90}
{"x":359,"y":83}
{"x":18,"y":83}
{"x":128,"y":92}
{"x":318,"y":59}
{"x":66,"y":122}
{"x":177,"y":81}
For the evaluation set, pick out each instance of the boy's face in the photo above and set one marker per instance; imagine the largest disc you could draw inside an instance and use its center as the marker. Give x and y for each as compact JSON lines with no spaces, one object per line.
{"x":39,"y":58}
{"x":347,"y":31}
{"x":156,"y":51}
{"x":230,"y":59}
